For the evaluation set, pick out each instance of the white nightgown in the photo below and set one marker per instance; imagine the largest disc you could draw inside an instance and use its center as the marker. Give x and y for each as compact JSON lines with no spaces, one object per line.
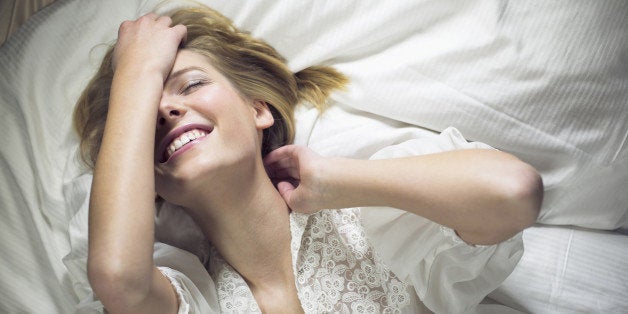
{"x":355,"y":260}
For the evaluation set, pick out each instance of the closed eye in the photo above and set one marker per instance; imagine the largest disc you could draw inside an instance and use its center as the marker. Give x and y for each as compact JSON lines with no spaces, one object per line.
{"x":191,"y":86}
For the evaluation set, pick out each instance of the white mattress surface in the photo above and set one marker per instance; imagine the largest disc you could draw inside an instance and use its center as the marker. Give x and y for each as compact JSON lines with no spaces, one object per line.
{"x":546,"y":81}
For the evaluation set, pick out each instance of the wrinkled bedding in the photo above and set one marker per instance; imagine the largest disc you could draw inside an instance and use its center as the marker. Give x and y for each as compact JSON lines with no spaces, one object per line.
{"x":545,"y":81}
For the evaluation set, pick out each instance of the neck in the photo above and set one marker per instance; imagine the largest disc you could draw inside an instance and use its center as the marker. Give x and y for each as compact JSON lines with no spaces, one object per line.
{"x":249,"y":224}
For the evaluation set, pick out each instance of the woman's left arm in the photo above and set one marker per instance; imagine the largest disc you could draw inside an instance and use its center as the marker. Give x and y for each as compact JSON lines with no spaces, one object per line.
{"x":487,"y":196}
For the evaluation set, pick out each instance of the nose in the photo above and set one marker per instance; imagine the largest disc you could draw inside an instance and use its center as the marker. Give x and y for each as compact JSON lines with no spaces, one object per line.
{"x":170,"y":112}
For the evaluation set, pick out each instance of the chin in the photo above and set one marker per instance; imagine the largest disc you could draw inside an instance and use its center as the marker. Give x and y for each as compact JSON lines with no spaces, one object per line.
{"x":178,"y":183}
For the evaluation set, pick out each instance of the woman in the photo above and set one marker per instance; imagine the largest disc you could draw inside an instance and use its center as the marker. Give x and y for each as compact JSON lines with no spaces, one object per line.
{"x":194,"y":110}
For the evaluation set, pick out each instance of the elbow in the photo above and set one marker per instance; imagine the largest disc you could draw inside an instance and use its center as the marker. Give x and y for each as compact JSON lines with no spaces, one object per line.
{"x":516,"y":196}
{"x":523,"y":194}
{"x":116,"y":285}
{"x":519,"y":195}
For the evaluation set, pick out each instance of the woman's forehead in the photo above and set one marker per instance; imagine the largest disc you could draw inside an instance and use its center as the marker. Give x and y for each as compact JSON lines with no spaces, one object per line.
{"x":190,"y":59}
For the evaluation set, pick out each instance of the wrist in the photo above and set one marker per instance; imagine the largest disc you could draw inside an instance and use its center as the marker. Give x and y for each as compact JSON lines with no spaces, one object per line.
{"x":346,"y":181}
{"x":134,"y":86}
{"x":139,"y":70}
{"x":365,"y":183}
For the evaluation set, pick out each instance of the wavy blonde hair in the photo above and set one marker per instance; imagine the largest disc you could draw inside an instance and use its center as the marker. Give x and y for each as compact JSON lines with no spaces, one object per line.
{"x":255,"y":68}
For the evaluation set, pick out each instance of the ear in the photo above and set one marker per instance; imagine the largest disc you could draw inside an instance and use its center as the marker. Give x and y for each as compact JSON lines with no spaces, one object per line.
{"x":263,"y":117}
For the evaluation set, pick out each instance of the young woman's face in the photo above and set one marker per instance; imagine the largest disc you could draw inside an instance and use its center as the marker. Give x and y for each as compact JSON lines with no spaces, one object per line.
{"x":206,"y":130}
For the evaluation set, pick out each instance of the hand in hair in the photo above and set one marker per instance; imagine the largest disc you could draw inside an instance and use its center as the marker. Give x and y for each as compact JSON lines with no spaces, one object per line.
{"x":298,"y":173}
{"x":148,"y":43}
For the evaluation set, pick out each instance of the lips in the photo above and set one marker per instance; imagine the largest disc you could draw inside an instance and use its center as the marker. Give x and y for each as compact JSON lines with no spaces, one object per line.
{"x":178,"y":138}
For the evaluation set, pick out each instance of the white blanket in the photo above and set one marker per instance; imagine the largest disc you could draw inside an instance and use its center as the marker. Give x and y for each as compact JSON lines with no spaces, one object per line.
{"x":546,"y":81}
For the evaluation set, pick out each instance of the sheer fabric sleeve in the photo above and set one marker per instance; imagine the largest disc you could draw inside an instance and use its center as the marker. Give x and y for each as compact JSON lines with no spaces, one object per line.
{"x":448,"y":275}
{"x":190,"y":280}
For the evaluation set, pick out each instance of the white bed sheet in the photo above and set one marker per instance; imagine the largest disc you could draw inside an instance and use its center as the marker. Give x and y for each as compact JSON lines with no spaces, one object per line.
{"x":545,"y":81}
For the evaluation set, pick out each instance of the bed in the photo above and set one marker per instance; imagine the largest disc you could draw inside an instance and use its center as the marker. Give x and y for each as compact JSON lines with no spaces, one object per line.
{"x":545,"y":81}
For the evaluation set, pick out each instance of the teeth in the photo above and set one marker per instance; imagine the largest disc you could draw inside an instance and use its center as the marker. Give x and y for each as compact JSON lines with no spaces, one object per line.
{"x":184,"y":139}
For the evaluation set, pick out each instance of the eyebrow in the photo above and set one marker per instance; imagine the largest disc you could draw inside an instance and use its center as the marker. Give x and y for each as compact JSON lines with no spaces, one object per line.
{"x":178,"y":73}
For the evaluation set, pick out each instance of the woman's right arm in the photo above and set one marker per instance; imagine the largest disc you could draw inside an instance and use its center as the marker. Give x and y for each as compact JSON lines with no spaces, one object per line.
{"x":485,"y":195}
{"x":121,"y":213}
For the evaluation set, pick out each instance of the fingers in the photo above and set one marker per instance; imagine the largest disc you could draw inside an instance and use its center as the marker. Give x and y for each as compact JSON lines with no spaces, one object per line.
{"x":275,"y":173}
{"x":179,"y":31}
{"x":283,"y":152}
{"x":149,"y":39}
{"x":282,"y":163}
{"x":152,"y":18}
{"x":147,"y":18}
{"x":161,"y":19}
{"x":294,"y":169}
{"x":285,"y":190}
{"x":290,"y":195}
{"x":283,"y":169}
{"x":182,"y":32}
{"x":151,"y":15}
{"x":280,"y":172}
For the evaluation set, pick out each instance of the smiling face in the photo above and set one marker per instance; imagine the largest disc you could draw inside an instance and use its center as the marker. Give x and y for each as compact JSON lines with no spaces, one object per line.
{"x":206,"y":130}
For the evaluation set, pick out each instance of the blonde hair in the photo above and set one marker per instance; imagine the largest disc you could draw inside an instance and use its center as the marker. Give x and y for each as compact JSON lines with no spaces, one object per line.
{"x":255,"y":68}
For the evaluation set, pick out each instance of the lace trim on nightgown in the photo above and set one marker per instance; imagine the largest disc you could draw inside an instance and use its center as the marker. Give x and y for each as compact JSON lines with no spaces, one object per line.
{"x":234,"y":294}
{"x":336,"y":270}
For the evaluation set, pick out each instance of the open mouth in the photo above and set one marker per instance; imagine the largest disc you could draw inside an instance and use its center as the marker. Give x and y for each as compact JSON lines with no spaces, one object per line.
{"x":179,"y":139}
